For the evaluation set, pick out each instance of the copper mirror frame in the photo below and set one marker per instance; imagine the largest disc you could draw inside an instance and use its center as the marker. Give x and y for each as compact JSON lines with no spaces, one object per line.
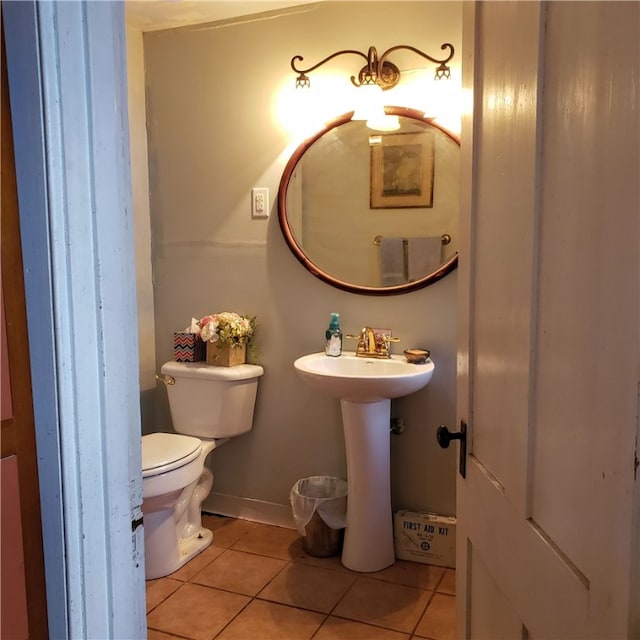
{"x":448,"y":266}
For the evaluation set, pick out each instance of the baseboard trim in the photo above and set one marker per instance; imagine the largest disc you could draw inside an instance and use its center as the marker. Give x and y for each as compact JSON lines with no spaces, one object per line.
{"x":249,"y":509}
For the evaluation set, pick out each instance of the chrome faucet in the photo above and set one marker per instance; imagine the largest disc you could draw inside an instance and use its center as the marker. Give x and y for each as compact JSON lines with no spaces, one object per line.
{"x":374,"y":343}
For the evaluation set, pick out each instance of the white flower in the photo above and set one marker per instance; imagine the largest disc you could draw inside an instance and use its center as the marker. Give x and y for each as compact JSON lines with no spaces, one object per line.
{"x":209,"y":331}
{"x":227,"y":328}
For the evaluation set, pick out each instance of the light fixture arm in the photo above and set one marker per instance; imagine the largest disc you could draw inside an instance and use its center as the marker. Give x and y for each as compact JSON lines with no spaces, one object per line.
{"x":377,"y":70}
{"x":426,"y":56}
{"x":319,"y":64}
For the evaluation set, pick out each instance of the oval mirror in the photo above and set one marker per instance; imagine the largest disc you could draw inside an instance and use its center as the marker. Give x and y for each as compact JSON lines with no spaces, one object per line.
{"x":374,"y":212}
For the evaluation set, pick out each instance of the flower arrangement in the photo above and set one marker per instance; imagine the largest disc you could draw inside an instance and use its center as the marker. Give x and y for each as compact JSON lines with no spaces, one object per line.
{"x":227,"y":329}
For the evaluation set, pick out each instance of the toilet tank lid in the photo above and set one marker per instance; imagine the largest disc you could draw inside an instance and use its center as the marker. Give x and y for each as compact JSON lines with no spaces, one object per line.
{"x":161,"y":449}
{"x":205,"y":371}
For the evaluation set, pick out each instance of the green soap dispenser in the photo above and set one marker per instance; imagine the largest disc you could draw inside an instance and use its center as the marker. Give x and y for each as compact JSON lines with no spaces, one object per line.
{"x":333,"y":335}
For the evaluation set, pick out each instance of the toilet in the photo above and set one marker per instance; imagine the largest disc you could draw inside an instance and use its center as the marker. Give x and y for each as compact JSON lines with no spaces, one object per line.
{"x":208,"y":406}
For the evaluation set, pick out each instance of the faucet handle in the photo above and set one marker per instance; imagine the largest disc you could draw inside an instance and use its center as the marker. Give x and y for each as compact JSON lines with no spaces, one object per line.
{"x":385,"y":341}
{"x":363,"y":341}
{"x":361,"y":346}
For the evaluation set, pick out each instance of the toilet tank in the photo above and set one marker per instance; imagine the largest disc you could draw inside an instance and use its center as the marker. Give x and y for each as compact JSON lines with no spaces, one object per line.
{"x":211,"y":402}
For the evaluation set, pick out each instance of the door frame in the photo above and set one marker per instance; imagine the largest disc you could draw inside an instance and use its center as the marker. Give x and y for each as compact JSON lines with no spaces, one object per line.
{"x":67,"y":72}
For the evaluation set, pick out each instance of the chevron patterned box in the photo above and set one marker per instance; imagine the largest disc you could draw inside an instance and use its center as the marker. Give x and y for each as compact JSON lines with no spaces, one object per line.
{"x":188,"y":347}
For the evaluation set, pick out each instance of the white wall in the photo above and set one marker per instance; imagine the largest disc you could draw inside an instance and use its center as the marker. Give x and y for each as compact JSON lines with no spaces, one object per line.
{"x":212,"y":137}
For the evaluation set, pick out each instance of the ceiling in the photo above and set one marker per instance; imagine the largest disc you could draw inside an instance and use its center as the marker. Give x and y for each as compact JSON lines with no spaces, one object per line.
{"x":153,"y":15}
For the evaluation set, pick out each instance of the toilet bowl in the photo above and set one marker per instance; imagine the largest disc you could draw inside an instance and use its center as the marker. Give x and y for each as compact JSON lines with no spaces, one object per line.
{"x":204,"y":401}
{"x":174,"y":484}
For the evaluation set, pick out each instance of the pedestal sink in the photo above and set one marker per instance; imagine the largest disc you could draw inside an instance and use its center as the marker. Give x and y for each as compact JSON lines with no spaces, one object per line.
{"x":365,"y":387}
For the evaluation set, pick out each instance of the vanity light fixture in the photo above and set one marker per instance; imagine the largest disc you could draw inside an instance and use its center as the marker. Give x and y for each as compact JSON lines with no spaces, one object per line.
{"x":378,"y":70}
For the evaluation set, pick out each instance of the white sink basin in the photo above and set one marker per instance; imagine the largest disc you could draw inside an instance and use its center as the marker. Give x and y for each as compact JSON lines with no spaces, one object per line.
{"x":363,"y":379}
{"x":365,"y":387}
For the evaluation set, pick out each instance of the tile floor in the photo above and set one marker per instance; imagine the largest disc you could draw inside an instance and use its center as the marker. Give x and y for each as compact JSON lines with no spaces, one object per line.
{"x":255,"y":582}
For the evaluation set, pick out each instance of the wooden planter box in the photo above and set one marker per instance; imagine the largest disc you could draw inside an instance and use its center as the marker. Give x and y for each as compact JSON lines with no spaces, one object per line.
{"x":227,"y":356}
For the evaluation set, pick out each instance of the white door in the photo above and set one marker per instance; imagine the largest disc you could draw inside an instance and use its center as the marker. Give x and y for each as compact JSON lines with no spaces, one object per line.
{"x":548,"y":543}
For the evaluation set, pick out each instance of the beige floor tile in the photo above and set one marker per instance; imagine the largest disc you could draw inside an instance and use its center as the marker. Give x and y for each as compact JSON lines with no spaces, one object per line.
{"x":339,"y":629}
{"x":240,"y":572}
{"x":270,"y":621}
{"x":411,"y":574}
{"x":334,"y":562}
{"x":199,"y":562}
{"x":439,"y":620}
{"x":393,"y":606}
{"x":308,"y":587}
{"x":275,"y":542}
{"x":227,"y":531}
{"x":159,"y":589}
{"x":196,"y":612}
{"x":448,"y":583}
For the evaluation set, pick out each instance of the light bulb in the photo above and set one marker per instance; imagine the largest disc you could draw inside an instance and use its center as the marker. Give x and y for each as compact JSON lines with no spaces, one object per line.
{"x":384,"y":123}
{"x":368,"y":102}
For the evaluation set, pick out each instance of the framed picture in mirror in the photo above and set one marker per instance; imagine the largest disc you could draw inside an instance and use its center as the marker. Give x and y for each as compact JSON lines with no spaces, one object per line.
{"x":402,"y":170}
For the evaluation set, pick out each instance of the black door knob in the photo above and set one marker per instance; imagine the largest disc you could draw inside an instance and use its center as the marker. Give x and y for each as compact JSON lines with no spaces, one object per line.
{"x":445,"y":437}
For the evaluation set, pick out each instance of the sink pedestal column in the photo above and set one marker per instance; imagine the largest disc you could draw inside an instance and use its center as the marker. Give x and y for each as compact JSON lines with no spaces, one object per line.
{"x":368,"y":538}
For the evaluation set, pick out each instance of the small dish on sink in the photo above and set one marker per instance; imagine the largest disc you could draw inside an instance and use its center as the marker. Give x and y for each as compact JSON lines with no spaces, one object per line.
{"x":417,"y":356}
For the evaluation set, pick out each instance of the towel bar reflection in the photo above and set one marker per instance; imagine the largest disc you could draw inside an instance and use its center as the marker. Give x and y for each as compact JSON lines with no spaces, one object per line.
{"x":446,"y":239}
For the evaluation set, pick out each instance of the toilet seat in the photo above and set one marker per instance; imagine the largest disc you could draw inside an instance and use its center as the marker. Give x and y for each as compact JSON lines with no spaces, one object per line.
{"x":163,"y":452}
